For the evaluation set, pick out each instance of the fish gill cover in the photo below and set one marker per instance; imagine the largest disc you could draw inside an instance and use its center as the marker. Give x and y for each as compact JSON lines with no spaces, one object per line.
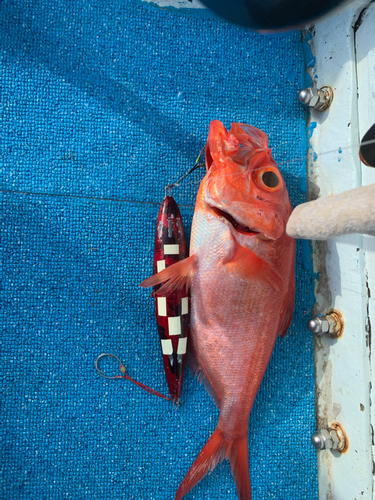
{"x":104,"y":104}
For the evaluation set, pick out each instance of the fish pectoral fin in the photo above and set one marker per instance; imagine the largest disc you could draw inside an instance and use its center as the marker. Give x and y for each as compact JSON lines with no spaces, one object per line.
{"x":176,"y":276}
{"x":246,"y":264}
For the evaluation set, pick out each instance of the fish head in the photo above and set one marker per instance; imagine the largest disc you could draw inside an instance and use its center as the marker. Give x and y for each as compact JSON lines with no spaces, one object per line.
{"x":243,"y":184}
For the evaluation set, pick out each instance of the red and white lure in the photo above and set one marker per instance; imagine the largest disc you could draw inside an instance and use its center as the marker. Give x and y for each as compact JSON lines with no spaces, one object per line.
{"x":172,"y":303}
{"x":172,"y":309}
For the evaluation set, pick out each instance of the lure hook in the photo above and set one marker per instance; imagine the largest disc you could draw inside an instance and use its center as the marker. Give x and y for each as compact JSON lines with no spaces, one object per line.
{"x":125,"y":375}
{"x":109,"y":355}
{"x":177,"y":183}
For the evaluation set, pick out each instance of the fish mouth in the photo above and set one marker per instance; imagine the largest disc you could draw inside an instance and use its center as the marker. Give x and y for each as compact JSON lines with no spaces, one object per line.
{"x":236,"y":225}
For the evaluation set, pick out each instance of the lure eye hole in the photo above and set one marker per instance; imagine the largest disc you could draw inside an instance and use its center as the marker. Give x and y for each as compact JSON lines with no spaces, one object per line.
{"x":269,"y":179}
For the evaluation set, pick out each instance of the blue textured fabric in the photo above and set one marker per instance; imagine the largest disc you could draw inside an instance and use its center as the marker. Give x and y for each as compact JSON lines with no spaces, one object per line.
{"x":103,"y":104}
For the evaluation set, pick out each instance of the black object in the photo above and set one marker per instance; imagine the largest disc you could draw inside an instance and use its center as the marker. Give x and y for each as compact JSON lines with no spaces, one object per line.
{"x":367,"y":151}
{"x":271,"y":15}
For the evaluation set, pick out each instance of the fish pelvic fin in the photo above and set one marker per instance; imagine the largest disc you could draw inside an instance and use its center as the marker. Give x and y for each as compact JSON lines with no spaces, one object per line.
{"x":174,"y":277}
{"x":216,"y":449}
{"x":248,"y":265}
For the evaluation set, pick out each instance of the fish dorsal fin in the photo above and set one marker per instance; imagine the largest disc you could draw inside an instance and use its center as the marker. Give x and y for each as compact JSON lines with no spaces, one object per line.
{"x":220,"y":143}
{"x":175,"y":276}
{"x":253,"y":145}
{"x":250,"y":136}
{"x":244,"y":144}
{"x":248,"y":265}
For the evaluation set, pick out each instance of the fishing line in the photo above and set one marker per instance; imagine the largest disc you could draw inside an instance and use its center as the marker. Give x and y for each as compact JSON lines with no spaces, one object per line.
{"x":125,"y":375}
{"x":88,"y":198}
{"x":318,"y":155}
{"x":196,"y":165}
{"x":169,"y":187}
{"x":280,"y":163}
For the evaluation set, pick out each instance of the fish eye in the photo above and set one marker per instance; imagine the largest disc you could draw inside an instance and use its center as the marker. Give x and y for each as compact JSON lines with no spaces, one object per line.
{"x":270,"y":179}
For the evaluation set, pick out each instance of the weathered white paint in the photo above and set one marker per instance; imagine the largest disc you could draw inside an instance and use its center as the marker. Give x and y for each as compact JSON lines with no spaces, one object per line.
{"x":365,"y":51}
{"x":342,"y":366}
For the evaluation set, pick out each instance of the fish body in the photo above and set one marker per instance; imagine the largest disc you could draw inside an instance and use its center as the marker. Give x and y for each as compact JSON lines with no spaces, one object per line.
{"x":241,"y":275}
{"x":172,"y":311}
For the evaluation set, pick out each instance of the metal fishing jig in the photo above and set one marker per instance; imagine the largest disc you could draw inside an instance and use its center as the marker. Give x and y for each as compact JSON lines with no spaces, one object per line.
{"x":172,"y":309}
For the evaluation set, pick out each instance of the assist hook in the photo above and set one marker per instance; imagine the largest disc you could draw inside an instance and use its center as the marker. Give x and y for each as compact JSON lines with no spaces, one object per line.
{"x":177,"y":183}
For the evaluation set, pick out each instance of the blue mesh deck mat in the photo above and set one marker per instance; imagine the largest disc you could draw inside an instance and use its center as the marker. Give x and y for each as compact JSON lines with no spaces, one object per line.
{"x":103,"y":104}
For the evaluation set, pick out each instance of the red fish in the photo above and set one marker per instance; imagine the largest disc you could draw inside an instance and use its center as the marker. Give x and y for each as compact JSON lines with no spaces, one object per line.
{"x":241,"y":272}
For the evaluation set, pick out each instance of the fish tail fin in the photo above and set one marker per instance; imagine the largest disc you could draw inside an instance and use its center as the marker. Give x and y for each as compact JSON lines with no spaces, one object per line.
{"x":217,"y":448}
{"x":239,"y":461}
{"x":211,"y":454}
